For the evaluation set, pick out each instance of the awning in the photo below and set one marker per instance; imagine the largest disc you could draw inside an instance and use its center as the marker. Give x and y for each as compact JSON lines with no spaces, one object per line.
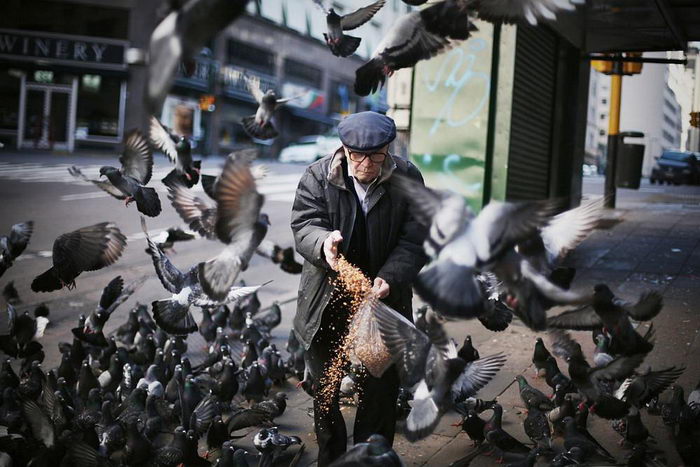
{"x":631,"y":25}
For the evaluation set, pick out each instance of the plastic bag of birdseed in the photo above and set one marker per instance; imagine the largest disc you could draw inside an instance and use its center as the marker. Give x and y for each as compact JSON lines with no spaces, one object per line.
{"x":365,"y":344}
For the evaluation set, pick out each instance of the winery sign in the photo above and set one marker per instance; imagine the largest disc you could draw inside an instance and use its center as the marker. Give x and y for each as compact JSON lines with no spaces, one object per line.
{"x":48,"y":48}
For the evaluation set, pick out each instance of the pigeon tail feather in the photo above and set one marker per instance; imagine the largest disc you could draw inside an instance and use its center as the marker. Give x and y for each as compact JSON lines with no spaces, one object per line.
{"x":147,"y":201}
{"x":370,"y":77}
{"x":173,"y":317}
{"x":265,"y":131}
{"x":422,"y":420}
{"x":345,"y":47}
{"x":47,"y":281}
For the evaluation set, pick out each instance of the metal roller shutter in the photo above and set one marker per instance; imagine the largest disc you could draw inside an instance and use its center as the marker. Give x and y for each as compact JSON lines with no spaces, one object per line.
{"x":532,"y":109}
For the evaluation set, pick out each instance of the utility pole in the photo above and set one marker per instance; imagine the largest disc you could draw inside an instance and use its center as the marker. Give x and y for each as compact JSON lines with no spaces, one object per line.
{"x":613,"y":132}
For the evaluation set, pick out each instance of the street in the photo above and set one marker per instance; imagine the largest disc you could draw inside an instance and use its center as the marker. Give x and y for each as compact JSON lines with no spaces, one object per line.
{"x":39,"y":188}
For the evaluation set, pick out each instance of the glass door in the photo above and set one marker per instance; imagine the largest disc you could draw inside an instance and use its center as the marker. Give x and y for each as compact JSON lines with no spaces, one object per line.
{"x":46,"y":117}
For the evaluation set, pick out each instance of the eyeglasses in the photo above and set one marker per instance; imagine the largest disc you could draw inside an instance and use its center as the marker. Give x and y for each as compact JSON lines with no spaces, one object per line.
{"x":359,"y":157}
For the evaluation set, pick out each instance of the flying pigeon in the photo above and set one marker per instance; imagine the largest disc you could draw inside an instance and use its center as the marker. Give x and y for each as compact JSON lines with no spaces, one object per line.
{"x":173,"y":314}
{"x":178,"y":149}
{"x":260,"y":125}
{"x":13,"y":245}
{"x":128,"y":182}
{"x":180,"y":36}
{"x":86,"y":249}
{"x":340,"y":44}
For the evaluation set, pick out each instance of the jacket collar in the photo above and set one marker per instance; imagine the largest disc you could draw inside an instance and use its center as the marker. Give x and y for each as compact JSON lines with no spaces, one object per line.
{"x":335,"y":169}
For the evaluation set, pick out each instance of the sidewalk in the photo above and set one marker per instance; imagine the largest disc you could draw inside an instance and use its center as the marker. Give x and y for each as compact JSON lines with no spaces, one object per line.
{"x":648,"y":247}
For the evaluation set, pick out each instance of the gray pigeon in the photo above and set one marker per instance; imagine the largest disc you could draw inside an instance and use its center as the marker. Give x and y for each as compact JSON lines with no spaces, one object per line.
{"x":86,"y":249}
{"x":178,"y":149}
{"x":375,"y":452}
{"x":271,"y":444}
{"x":239,"y":224}
{"x":260,"y":125}
{"x":340,"y":44}
{"x":128,"y":182}
{"x":431,"y":361}
{"x":173,"y":314}
{"x":180,"y":36}
{"x":13,"y":245}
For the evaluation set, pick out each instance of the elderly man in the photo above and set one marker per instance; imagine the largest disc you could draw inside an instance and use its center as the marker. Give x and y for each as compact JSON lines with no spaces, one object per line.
{"x":346,"y":204}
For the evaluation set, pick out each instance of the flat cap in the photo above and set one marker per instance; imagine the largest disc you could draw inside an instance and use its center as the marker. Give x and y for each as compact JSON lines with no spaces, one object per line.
{"x":366,"y":131}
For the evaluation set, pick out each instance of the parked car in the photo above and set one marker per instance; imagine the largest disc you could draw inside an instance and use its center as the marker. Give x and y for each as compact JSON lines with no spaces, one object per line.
{"x":676,"y":167}
{"x":309,"y":148}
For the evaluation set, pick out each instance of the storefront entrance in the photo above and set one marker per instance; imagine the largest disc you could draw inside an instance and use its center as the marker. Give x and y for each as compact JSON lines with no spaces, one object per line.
{"x":47,"y":117}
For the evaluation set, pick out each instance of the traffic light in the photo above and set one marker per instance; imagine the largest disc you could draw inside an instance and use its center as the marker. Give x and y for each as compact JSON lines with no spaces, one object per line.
{"x":632,"y":68}
{"x":602,"y":66}
{"x":695,"y":119}
{"x":207,"y":103}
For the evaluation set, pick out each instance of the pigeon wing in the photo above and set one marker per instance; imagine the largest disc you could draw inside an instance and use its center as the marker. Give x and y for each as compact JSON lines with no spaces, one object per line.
{"x":514,"y":10}
{"x":111,"y":293}
{"x":88,"y":249}
{"x":617,"y":369}
{"x":360,"y":16}
{"x":209,"y":184}
{"x":647,"y":307}
{"x":19,"y":237}
{"x":137,"y":158}
{"x":405,"y":343}
{"x":476,"y":375}
{"x":579,"y":319}
{"x":199,"y":213}
{"x":171,"y":277}
{"x":254,"y":88}
{"x":163,"y":139}
{"x":567,"y":230}
{"x":102,"y":185}
{"x":238,"y":201}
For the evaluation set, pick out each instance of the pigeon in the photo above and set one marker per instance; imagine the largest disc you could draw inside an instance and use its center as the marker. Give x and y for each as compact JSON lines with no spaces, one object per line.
{"x":537,"y":427}
{"x":418,"y":35}
{"x":275,"y":406}
{"x":641,"y":388}
{"x":170,"y":237}
{"x":173,"y":314}
{"x":265,"y":321}
{"x":180,"y":36}
{"x":178,"y":149}
{"x":245,"y":155}
{"x":13,"y":245}
{"x":573,"y":437}
{"x":533,"y":397}
{"x":430,"y":360}
{"x":635,"y":431}
{"x":587,"y":380}
{"x":239,"y":224}
{"x":86,"y":249}
{"x":199,"y":213}
{"x":340,"y":44}
{"x":539,"y":357}
{"x":467,"y":352}
{"x":376,"y":451}
{"x":261,"y":126}
{"x":613,"y":316}
{"x":10,"y":294}
{"x":271,"y":444}
{"x":503,"y":441}
{"x":278,"y":255}
{"x":113,"y":295}
{"x":128,"y":182}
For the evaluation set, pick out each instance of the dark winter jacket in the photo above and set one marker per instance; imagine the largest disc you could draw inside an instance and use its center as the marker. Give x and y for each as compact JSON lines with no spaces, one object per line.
{"x":323,"y":204}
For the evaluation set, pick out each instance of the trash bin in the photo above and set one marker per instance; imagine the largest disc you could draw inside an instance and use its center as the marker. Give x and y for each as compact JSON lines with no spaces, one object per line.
{"x":630,"y":158}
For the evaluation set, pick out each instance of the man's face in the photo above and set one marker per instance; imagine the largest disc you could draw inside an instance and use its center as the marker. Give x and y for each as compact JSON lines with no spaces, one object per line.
{"x":366,"y":166}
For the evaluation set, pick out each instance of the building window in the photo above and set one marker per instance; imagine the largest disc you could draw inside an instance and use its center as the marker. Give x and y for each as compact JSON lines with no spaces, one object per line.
{"x":302,"y":73}
{"x":343,"y":100}
{"x":98,"y":107}
{"x":604,"y":101}
{"x":249,"y":56}
{"x":601,"y":132}
{"x":602,"y":116}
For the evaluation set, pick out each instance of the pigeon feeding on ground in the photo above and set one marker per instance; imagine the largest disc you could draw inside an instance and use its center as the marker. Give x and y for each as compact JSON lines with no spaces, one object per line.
{"x":180,"y":36}
{"x":260,"y":125}
{"x":271,"y":444}
{"x":340,"y":44}
{"x":11,"y":246}
{"x":173,"y":314}
{"x":128,"y":182}
{"x":430,"y":361}
{"x":178,"y":149}
{"x":376,"y":451}
{"x":86,"y":249}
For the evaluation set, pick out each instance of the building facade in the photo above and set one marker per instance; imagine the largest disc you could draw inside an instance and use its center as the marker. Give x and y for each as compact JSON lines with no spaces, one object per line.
{"x":70,"y":76}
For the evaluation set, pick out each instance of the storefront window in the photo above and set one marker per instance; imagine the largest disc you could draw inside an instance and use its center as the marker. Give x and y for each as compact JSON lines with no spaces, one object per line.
{"x":9,"y":100}
{"x":98,"y":107}
{"x":343,"y":100}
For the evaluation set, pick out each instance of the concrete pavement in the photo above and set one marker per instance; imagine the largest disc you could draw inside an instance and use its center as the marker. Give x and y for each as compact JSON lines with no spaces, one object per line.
{"x":650,"y":242}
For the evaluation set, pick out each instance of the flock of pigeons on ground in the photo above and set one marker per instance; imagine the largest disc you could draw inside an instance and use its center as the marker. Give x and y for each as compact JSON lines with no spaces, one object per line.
{"x":417,"y":35}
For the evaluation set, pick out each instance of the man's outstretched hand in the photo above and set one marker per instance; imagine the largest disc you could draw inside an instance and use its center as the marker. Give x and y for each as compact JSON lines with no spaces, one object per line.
{"x":380,"y":287}
{"x":330,"y":248}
